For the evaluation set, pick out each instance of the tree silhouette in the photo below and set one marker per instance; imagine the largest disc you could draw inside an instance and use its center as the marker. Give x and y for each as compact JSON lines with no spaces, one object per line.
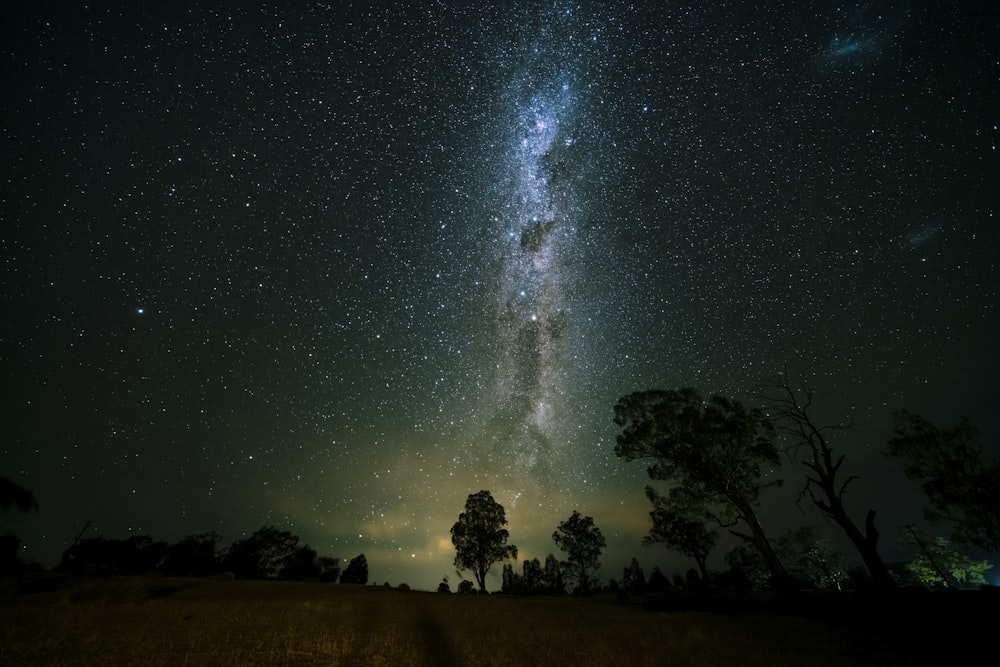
{"x":301,"y":563}
{"x":552,"y":576}
{"x":262,"y":555}
{"x":712,"y":450}
{"x":103,"y":556}
{"x":963,"y":489}
{"x":633,"y":578}
{"x":356,"y":571}
{"x":811,"y":559}
{"x":582,"y":542}
{"x":824,"y":484}
{"x":194,"y":556}
{"x":678,"y":530}
{"x":329,"y":568}
{"x":480,"y":538}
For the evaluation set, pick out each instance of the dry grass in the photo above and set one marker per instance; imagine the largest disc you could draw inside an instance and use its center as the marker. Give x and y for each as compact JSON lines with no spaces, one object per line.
{"x":138,"y":621}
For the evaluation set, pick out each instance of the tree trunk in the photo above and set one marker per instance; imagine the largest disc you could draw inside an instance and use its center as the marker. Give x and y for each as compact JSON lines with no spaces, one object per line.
{"x":759,"y":540}
{"x":867,"y":544}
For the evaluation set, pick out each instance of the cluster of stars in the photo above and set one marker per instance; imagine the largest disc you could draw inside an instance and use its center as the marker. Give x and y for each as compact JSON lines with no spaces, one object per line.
{"x":337,"y":267}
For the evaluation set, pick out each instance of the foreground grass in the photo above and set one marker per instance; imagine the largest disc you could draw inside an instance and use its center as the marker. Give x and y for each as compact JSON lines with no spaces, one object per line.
{"x":139,"y":621}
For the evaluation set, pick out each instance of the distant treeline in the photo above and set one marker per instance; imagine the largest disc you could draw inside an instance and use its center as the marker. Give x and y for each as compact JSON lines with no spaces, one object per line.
{"x":268,"y":553}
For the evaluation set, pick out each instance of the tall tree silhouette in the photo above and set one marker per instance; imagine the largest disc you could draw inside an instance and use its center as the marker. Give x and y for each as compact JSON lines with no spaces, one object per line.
{"x":356,"y":571}
{"x":713,"y":451}
{"x":824,"y":484}
{"x":479,"y":536}
{"x":582,"y":542}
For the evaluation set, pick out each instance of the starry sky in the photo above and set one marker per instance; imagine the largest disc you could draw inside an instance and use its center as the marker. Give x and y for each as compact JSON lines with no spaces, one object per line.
{"x":335,"y":266}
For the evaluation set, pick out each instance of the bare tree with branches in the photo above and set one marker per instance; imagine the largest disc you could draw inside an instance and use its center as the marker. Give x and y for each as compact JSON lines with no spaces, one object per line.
{"x":825,"y":484}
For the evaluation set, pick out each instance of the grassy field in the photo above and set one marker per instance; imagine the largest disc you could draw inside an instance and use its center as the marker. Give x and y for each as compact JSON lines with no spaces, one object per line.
{"x":158,"y":621}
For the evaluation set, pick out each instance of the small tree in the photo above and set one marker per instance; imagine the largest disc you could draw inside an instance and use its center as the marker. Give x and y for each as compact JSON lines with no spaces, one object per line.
{"x":480,"y":538}
{"x":962,"y":487}
{"x":532,"y":577}
{"x":812,"y":560}
{"x":678,"y":530}
{"x":746,"y":564}
{"x":510,"y":582}
{"x":713,"y":451}
{"x":582,"y":542}
{"x":633,"y":578}
{"x":552,"y":576}
{"x":356,"y":571}
{"x":938,"y":564}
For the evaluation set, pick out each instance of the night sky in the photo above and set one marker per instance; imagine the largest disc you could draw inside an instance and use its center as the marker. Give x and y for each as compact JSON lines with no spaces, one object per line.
{"x":335,"y":266}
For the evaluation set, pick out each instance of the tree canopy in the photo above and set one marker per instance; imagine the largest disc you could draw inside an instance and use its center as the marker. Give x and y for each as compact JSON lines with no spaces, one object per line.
{"x":356,"y":571}
{"x":582,"y":542}
{"x":938,"y":564}
{"x":680,"y":531}
{"x":963,"y":488}
{"x":714,"y":451}
{"x":261,"y":555}
{"x":479,"y":536}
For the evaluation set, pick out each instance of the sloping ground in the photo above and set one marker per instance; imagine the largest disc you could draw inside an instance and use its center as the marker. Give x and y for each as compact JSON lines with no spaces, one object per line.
{"x":156,"y":621}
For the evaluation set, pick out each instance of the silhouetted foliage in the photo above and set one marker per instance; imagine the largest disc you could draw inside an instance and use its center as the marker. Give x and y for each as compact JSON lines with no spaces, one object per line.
{"x":633,"y":579}
{"x":963,"y":488}
{"x":301,"y":563}
{"x":329,"y":568}
{"x":535,"y":578}
{"x":356,"y":571}
{"x":262,"y":555}
{"x":824,"y":485}
{"x":552,"y":576}
{"x":16,"y":496}
{"x":101,"y":556}
{"x":679,"y":530}
{"x":479,"y":536}
{"x":532,"y":577}
{"x":658,"y":581}
{"x":938,"y":564}
{"x":746,"y":565}
{"x":444,"y":587}
{"x":510,"y":582}
{"x":713,"y":451}
{"x":582,"y":542}
{"x":194,"y":556}
{"x":466,"y":586}
{"x":811,"y":559}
